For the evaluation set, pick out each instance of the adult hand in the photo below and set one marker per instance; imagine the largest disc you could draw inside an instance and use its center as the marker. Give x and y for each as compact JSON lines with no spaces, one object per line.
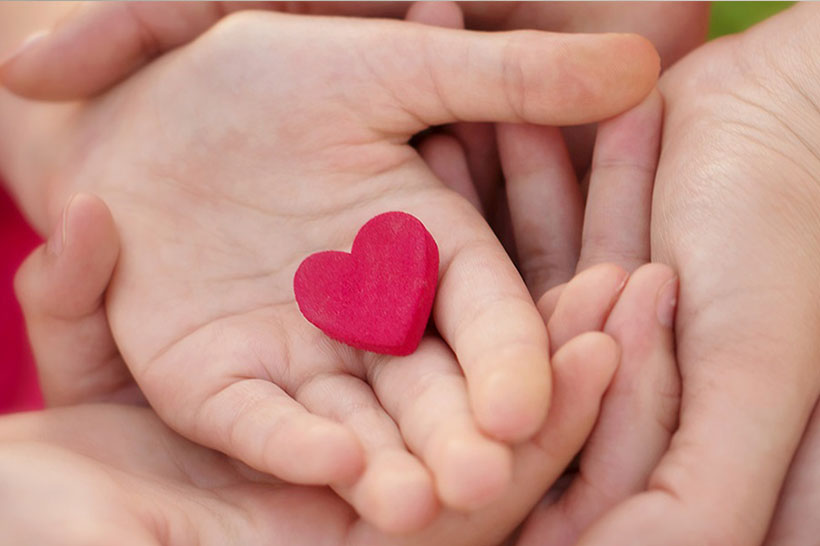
{"x":735,"y":212}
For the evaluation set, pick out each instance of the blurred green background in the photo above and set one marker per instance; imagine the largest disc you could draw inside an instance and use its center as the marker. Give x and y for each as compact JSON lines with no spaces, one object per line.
{"x":731,"y":17}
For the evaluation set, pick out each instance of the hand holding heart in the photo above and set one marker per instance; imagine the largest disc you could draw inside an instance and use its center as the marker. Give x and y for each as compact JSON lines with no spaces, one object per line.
{"x":220,"y":349}
{"x":62,"y":299}
{"x":378,"y":297}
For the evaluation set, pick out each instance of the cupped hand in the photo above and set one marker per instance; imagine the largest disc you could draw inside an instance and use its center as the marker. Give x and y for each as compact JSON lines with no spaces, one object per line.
{"x":735,"y":212}
{"x":60,"y":295}
{"x":189,"y":494}
{"x":115,"y":474}
{"x":228,"y":161}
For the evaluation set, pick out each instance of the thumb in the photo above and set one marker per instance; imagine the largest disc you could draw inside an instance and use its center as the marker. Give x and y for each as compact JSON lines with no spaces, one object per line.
{"x":61,"y":287}
{"x":101,"y":44}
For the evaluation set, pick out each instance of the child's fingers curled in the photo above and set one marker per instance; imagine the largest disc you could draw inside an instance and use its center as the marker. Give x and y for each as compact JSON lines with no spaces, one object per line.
{"x":259,"y":423}
{"x":394,"y":491}
{"x":584,"y":303}
{"x":426,"y":395}
{"x":637,"y":416}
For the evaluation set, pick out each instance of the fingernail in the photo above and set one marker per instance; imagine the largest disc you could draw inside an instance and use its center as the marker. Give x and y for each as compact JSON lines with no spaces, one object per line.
{"x":24,"y":46}
{"x":56,"y":242}
{"x":668,"y":302}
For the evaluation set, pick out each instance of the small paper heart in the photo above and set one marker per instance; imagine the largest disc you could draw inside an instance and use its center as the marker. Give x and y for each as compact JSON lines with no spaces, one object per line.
{"x":379,"y":296}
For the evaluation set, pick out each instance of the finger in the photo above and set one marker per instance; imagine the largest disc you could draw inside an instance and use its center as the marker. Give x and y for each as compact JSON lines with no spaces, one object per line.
{"x":726,"y":439}
{"x":101,"y":44}
{"x":545,"y":203}
{"x":520,"y":76}
{"x":637,"y":417}
{"x":583,"y":370}
{"x":616,"y":223}
{"x":445,"y":157}
{"x":257,"y":422}
{"x":795,"y":522}
{"x":437,"y":14}
{"x":585,"y":303}
{"x":443,"y":455}
{"x":395,"y":492}
{"x":484,"y":312}
{"x":548,"y":302}
{"x":501,"y":221}
{"x":61,"y":288}
{"x":426,"y":395}
{"x":459,"y":159}
{"x":478,"y":141}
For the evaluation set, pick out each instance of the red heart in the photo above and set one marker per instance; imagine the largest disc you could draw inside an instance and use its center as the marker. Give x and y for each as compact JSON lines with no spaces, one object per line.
{"x":379,"y":296}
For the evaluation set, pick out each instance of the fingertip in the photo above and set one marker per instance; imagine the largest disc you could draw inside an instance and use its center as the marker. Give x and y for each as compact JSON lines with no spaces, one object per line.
{"x":473,"y":472}
{"x":86,"y":247}
{"x":640,"y":56}
{"x":585,"y":303}
{"x":594,"y":352}
{"x":511,"y":401}
{"x":396,"y":494}
{"x":652,"y":290}
{"x":13,"y":65}
{"x":617,"y":72}
{"x":345,"y":458}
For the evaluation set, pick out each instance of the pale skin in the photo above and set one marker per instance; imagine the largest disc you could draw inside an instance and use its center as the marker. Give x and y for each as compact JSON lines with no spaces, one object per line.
{"x":699,"y":442}
{"x":62,"y":299}
{"x":100,"y":44}
{"x":237,"y":195}
{"x":735,"y":210}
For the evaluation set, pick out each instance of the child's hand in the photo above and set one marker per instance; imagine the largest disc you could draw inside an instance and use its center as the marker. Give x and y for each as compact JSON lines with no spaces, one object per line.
{"x":626,"y":440}
{"x":228,"y":161}
{"x":62,"y":307}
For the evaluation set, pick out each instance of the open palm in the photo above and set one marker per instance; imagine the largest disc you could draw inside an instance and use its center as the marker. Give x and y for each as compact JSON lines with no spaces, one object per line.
{"x":227,"y":162}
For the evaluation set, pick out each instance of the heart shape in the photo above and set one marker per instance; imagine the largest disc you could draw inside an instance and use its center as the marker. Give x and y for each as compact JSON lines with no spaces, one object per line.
{"x":379,"y":296}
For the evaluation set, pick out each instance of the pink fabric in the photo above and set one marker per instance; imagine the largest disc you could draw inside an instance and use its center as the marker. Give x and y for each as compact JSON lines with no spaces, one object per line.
{"x":18,"y":378}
